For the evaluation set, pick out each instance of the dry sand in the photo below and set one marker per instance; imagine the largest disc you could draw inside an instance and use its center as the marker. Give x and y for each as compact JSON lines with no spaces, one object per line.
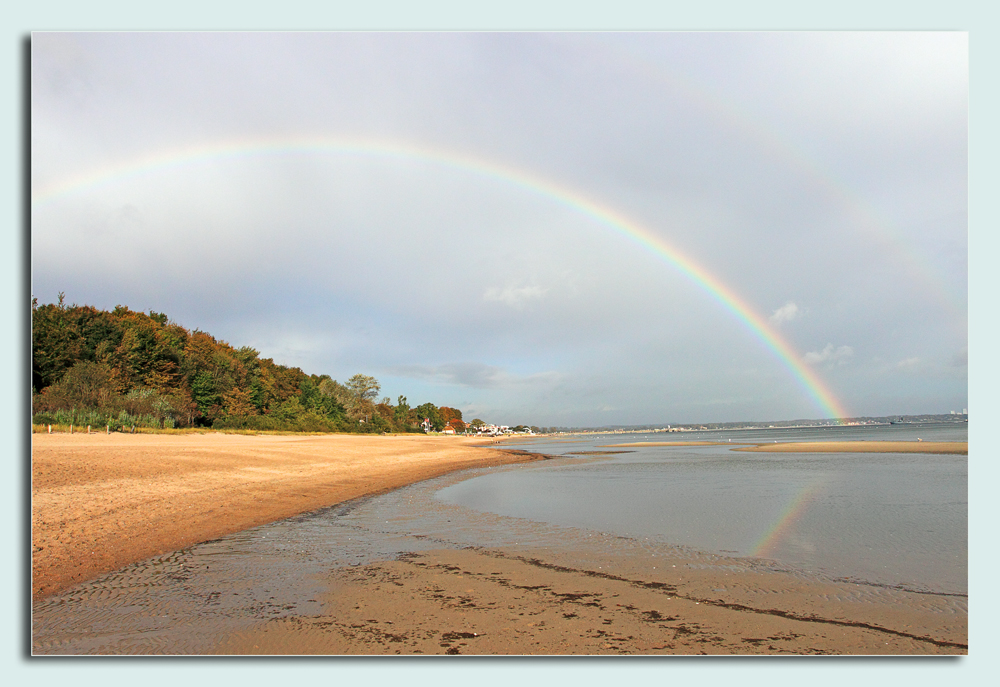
{"x":100,"y":502}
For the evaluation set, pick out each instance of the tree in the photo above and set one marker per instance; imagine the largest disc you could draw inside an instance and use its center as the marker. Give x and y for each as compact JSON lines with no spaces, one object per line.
{"x":289,"y":411}
{"x":203,"y":392}
{"x":431,"y":412}
{"x":402,"y":412}
{"x":143,"y":364}
{"x":237,"y":403}
{"x":55,"y":343}
{"x":363,"y":390}
{"x":85,"y":385}
{"x":453,"y":417}
{"x":385,"y":411}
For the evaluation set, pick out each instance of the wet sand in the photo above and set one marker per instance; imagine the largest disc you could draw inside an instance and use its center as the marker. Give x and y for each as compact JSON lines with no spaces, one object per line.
{"x":100,"y":502}
{"x":525,"y":602}
{"x":956,"y":447}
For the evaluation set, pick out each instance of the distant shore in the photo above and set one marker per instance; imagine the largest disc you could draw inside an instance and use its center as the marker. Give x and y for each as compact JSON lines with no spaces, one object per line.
{"x":102,"y":501}
{"x":957,"y":447}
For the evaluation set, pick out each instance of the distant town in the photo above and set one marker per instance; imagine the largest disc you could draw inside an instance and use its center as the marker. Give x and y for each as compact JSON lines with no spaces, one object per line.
{"x":952,"y":416}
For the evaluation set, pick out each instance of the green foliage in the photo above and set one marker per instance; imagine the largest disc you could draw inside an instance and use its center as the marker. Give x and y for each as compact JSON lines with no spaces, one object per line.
{"x":85,"y":384}
{"x":362,"y":391}
{"x":363,"y":387}
{"x":431,"y":412}
{"x":401,"y":413}
{"x":124,"y":368}
{"x":55,"y":343}
{"x":204,"y":393}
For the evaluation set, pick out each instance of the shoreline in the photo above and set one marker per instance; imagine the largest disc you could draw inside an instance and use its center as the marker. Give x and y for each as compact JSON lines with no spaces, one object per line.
{"x":100,"y":502}
{"x":579,"y":597}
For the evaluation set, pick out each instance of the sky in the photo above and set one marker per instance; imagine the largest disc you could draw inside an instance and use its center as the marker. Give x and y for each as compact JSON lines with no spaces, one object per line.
{"x":570,"y":229}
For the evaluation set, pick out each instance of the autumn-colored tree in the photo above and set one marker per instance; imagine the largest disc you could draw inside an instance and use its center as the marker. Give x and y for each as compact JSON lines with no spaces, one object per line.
{"x":85,"y":385}
{"x":385,"y":411}
{"x":452,"y":417}
{"x":237,"y":403}
{"x":134,"y":367}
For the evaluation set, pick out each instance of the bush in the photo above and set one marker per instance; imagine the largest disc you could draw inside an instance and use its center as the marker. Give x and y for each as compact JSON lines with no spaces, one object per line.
{"x":85,"y":385}
{"x":99,"y":419}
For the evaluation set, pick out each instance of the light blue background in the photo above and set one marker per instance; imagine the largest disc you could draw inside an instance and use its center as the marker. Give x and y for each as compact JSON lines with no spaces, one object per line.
{"x":979,"y":18}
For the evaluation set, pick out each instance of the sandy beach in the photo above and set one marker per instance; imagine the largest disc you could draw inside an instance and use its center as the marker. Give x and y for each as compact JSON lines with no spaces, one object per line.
{"x":525,"y":602}
{"x":101,"y":502}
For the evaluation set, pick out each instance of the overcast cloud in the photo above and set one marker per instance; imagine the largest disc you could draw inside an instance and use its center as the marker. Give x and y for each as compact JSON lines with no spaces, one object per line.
{"x":821,"y":177}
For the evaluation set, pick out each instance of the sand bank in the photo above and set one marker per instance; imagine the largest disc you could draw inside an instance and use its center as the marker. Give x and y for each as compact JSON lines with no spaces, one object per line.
{"x":100,"y":502}
{"x":518,"y":602}
{"x":959,"y":447}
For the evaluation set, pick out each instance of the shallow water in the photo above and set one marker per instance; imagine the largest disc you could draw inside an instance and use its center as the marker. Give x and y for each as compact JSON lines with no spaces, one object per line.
{"x":185,"y":601}
{"x":895,"y":519}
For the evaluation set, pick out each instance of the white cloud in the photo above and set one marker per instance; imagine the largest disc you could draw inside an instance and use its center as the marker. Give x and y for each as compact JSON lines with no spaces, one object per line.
{"x":830,"y":355}
{"x":908,"y":363}
{"x":514,"y":296}
{"x":786,"y":313}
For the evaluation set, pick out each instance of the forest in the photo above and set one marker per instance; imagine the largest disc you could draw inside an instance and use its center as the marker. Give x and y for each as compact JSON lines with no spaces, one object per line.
{"x":123,"y":369}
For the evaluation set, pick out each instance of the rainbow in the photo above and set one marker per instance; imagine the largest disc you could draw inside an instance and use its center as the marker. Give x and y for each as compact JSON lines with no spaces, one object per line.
{"x":813,"y":386}
{"x":793,"y":511}
{"x":868,"y":221}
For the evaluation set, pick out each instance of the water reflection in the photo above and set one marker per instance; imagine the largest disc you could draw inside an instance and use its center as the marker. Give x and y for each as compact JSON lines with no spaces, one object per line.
{"x":887,"y":518}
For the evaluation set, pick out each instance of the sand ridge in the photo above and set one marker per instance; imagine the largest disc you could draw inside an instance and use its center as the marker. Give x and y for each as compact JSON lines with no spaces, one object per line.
{"x":495,"y":601}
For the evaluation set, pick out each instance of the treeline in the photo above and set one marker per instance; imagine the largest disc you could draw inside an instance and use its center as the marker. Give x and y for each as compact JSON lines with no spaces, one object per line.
{"x":125,"y":368}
